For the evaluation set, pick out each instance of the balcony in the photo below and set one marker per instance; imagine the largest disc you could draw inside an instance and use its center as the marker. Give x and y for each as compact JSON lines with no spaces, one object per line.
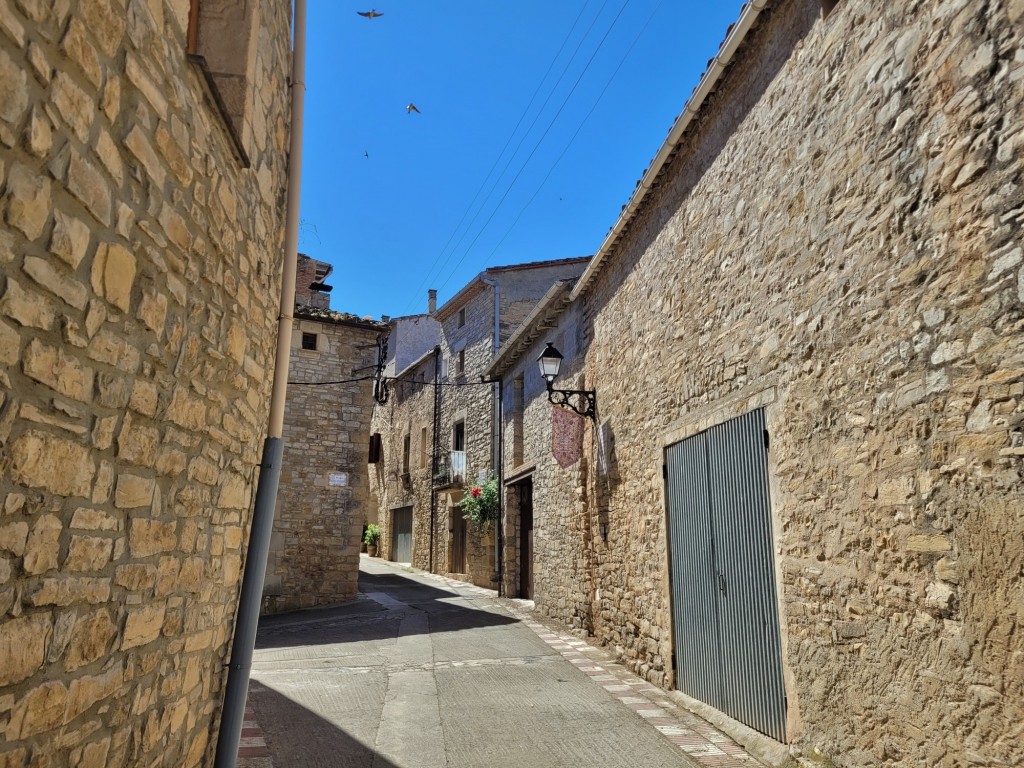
{"x":451,"y":470}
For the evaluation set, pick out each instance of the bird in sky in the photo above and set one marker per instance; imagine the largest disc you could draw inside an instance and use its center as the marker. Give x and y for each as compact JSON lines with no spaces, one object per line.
{"x":370,"y":14}
{"x":412,"y":108}
{"x":366,"y":155}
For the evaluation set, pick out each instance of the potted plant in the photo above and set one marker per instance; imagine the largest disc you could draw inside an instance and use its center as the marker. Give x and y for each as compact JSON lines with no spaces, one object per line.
{"x":372,"y":538}
{"x":480,"y":504}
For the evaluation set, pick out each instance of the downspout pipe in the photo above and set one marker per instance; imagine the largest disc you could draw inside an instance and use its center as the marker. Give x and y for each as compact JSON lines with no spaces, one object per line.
{"x":435,"y":447}
{"x":496,"y":422}
{"x":240,"y":664}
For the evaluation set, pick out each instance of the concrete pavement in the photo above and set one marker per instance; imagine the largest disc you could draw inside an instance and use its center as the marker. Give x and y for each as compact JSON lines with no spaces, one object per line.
{"x":426,"y":672}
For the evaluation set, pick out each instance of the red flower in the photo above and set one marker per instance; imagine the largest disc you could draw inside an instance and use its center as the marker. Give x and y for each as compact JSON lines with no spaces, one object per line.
{"x":475,"y":492}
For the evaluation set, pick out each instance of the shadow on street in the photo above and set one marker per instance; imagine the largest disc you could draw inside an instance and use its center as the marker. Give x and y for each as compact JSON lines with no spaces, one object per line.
{"x":302,"y":738}
{"x":365,"y":619}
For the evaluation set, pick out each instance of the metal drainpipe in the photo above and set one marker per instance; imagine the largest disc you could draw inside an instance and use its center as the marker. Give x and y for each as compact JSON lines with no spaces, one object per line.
{"x":237,"y":686}
{"x":433,"y":454}
{"x":496,"y":422}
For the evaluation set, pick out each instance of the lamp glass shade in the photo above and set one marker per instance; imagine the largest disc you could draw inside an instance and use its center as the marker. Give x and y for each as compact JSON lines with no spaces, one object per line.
{"x":550,"y":361}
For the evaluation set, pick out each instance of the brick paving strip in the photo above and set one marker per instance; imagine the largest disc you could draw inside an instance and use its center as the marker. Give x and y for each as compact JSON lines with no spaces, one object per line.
{"x":252,"y":748}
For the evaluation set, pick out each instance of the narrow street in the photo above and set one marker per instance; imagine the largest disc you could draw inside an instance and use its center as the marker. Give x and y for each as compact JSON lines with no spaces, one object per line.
{"x":425,"y":672}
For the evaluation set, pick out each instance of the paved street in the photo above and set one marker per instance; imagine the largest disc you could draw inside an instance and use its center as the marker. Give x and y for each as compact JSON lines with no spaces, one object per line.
{"x":425,"y":672}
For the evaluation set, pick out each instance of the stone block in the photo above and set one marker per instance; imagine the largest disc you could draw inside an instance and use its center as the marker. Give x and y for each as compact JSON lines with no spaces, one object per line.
{"x":153,"y":310}
{"x":90,"y":639}
{"x":40,"y":710}
{"x":13,"y":89}
{"x":136,"y":577}
{"x":27,"y":309}
{"x":143,"y":626}
{"x":23,"y":647}
{"x":70,"y":239}
{"x":43,"y":545}
{"x":149,"y":537}
{"x":75,"y":105}
{"x":88,"y":553}
{"x":61,"y":286}
{"x":63,"y":374}
{"x":86,"y":691}
{"x":87,"y":184}
{"x":42,"y":460}
{"x":143,"y":151}
{"x":28,"y":201}
{"x":113,"y":274}
{"x":137,"y":443}
{"x":68,"y":590}
{"x":133,"y":491}
{"x":234,"y":492}
{"x":13,"y":537}
{"x":10,"y":345}
{"x":86,"y":519}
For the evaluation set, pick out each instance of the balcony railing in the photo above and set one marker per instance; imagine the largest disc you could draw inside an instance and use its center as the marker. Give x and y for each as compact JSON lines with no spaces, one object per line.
{"x":451,"y":469}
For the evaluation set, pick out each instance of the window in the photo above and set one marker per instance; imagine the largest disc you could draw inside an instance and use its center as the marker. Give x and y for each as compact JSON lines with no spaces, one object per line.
{"x":405,"y":454}
{"x":827,"y":6}
{"x":375,"y":448}
{"x":462,"y":317}
{"x":517,"y":421}
{"x":460,"y":363}
{"x":459,"y":436}
{"x":423,"y":447}
{"x":309,"y":341}
{"x":221,"y":40}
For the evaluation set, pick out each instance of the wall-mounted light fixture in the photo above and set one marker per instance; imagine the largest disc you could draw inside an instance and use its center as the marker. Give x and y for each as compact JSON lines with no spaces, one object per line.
{"x":550,"y":361}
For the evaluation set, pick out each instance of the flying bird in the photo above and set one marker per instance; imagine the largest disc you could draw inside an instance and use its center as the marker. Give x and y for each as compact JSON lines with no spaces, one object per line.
{"x":370,"y":14}
{"x":412,"y":108}
{"x":366,"y":155}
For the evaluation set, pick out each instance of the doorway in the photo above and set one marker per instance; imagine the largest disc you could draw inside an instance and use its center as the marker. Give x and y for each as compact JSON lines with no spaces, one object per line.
{"x":526,"y":539}
{"x":457,"y":554}
{"x":401,"y":535}
{"x":725,"y":614}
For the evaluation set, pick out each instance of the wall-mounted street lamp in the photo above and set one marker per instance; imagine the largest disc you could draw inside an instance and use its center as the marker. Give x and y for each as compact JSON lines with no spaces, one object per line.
{"x":550,"y":361}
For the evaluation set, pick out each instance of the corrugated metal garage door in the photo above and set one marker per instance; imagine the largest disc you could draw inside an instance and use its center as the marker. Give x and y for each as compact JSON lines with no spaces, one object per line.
{"x":725,"y":614}
{"x":401,"y":535}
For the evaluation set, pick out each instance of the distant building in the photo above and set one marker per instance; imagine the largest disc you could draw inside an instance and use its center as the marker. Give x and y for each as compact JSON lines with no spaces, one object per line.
{"x":323,"y":498}
{"x":438,"y":432}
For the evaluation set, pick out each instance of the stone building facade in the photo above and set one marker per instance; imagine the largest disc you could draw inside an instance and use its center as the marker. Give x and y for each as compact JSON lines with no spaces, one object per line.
{"x":140,"y":257}
{"x":324,"y":490}
{"x":833,"y":241}
{"x":462,"y":435}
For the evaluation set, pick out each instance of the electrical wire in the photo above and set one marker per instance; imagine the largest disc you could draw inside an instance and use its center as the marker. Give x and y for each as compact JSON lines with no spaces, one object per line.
{"x":508,"y":141}
{"x":536,"y":146}
{"x":580,"y":128}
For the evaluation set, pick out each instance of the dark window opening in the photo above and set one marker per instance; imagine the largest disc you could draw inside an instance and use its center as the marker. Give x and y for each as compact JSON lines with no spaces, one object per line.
{"x":309,"y":341}
{"x":406,"y":442}
{"x":462,"y":317}
{"x":827,"y":6}
{"x":460,"y":363}
{"x":375,"y":448}
{"x":459,"y":436}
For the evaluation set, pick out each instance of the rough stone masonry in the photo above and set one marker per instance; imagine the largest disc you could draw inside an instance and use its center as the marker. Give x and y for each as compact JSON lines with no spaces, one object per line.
{"x":140,"y":251}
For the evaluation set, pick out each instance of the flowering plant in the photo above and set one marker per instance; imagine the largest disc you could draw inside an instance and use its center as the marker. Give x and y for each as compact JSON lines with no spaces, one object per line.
{"x":481,"y":503}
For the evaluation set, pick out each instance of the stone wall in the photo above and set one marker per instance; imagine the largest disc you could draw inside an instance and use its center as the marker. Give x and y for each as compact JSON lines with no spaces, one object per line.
{"x":838,"y":239}
{"x":322,"y":499}
{"x":140,"y":261}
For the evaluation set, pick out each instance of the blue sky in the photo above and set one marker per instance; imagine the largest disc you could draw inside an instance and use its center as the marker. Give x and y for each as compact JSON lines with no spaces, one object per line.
{"x":502,"y":164}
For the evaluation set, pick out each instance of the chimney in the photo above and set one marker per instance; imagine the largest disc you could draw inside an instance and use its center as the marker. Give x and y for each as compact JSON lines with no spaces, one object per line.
{"x":385,"y":318}
{"x":431,"y":301}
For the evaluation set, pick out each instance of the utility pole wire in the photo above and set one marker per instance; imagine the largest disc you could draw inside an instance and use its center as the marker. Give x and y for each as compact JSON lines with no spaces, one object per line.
{"x":508,"y":141}
{"x":536,"y":146}
{"x":580,"y":128}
